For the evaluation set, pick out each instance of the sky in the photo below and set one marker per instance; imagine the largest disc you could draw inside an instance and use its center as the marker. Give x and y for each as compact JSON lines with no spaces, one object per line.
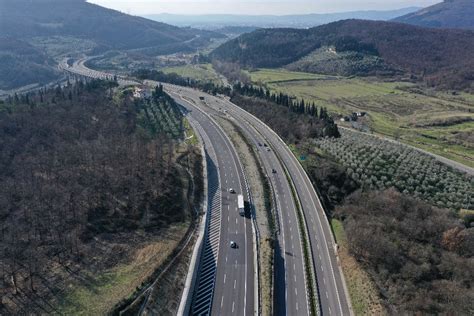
{"x":255,"y":7}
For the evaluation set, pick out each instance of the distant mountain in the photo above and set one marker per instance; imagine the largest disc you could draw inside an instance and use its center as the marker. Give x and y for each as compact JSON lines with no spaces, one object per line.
{"x":217,"y":21}
{"x":25,"y":19}
{"x":440,"y":57}
{"x":448,"y":14}
{"x":65,"y":25}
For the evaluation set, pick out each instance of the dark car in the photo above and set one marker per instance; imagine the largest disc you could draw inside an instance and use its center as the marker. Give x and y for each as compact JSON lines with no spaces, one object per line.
{"x":274,"y":171}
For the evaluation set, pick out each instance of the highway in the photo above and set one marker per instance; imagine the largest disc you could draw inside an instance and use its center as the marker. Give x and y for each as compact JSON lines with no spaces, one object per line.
{"x":329,"y":278}
{"x":232,"y":287}
{"x":225,"y":283}
{"x":290,"y":282}
{"x":290,"y":291}
{"x":232,"y":284}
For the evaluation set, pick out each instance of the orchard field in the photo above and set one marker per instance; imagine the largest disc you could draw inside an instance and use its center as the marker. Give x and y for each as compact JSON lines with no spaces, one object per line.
{"x":439,"y":122}
{"x":377,"y":165}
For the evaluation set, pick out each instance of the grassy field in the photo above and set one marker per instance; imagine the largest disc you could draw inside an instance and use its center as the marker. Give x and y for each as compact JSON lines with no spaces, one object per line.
{"x":439,"y":122}
{"x":280,"y":75}
{"x":364,"y":297}
{"x":105,"y":289}
{"x":203,"y":72}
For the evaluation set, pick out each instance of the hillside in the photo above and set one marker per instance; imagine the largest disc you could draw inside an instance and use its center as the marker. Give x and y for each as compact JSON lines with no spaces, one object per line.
{"x":22,"y":64}
{"x":27,"y":19}
{"x":95,"y":196}
{"x":440,"y":57}
{"x":58,"y":28}
{"x":448,"y":14}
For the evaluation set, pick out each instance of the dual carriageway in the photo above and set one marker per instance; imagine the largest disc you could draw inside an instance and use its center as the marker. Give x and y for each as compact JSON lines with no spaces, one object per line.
{"x":225,"y":280}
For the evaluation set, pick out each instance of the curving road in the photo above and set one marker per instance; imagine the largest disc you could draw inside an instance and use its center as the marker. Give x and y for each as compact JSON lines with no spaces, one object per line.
{"x":231,"y":288}
{"x":225,"y":283}
{"x":329,"y":278}
{"x":290,"y":292}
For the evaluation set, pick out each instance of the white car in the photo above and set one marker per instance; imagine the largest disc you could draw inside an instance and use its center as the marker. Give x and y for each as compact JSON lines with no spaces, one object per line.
{"x":231,"y":190}
{"x":233,"y":244}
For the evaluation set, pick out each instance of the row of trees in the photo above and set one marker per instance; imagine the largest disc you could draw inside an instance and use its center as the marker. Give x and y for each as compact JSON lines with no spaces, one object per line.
{"x":291,"y":126}
{"x":173,"y":78}
{"x":319,"y":122}
{"x":159,"y":115}
{"x":290,"y":102}
{"x":377,"y":164}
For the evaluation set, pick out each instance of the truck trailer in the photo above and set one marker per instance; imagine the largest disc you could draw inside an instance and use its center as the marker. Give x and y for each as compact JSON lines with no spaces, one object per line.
{"x":240,"y":204}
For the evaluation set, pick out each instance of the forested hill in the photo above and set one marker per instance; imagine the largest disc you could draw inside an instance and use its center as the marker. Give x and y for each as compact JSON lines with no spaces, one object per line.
{"x":22,"y":63}
{"x":59,"y":28}
{"x":448,"y":14}
{"x":436,"y":55}
{"x":24,"y":19}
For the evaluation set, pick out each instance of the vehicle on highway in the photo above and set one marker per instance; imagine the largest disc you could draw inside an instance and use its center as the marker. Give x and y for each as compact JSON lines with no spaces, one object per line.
{"x":231,"y":190}
{"x":233,"y":244}
{"x":265,"y":145}
{"x":274,"y":171}
{"x":241,"y":206}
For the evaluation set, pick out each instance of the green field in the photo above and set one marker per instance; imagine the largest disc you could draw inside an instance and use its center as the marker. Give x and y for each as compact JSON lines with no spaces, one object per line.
{"x":280,"y":75}
{"x":202,"y":72}
{"x":439,"y":122}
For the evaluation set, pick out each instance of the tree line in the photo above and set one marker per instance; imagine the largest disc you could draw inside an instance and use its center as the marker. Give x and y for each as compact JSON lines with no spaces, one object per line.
{"x":299,"y":107}
{"x":318,"y":121}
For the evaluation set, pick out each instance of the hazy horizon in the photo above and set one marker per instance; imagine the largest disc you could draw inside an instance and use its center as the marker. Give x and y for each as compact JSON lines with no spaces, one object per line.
{"x":256,"y":7}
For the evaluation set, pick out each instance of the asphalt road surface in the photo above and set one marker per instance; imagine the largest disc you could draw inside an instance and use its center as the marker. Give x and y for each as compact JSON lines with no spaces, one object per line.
{"x":290,"y":292}
{"x":233,"y":289}
{"x":330,"y":282}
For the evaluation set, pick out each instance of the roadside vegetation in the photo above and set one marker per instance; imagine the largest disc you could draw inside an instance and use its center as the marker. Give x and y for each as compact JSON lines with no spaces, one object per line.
{"x":160,"y":115}
{"x":370,"y":295}
{"x":419,"y":256}
{"x":94,"y":198}
{"x":335,"y":183}
{"x":292,"y":119}
{"x":364,"y":296}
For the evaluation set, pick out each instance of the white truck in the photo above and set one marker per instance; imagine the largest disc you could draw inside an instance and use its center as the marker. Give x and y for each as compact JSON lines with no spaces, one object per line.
{"x":240,"y":204}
